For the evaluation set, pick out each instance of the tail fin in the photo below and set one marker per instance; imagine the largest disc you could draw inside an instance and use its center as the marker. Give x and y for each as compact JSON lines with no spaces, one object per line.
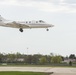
{"x":2,"y":19}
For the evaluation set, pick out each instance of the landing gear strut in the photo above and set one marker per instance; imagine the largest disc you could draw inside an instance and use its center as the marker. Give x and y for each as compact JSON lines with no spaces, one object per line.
{"x":21,"y":30}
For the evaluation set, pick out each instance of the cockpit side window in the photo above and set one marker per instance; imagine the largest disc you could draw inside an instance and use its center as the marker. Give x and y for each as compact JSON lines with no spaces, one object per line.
{"x":41,"y":21}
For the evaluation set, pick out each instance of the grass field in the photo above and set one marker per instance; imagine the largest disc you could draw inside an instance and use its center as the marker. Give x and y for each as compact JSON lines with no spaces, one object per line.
{"x":22,"y":73}
{"x":37,"y":66}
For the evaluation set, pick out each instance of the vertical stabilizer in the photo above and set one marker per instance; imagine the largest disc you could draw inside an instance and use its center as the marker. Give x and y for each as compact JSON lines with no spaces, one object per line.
{"x":2,"y":19}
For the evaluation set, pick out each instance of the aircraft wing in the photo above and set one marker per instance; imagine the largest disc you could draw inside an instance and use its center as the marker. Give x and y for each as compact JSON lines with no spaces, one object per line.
{"x":17,"y":25}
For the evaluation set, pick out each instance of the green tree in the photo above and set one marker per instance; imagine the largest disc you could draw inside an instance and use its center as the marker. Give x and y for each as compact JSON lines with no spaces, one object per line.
{"x":56,"y":59}
{"x":43,"y":60}
{"x":29,"y":59}
{"x":10,"y":58}
{"x":70,"y":63}
{"x":35,"y":58}
{"x":48,"y":58}
{"x":72,"y":56}
{"x":1,"y":58}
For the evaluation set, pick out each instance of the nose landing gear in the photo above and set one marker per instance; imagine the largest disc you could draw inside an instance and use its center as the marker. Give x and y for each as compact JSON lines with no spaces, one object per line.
{"x":47,"y":29}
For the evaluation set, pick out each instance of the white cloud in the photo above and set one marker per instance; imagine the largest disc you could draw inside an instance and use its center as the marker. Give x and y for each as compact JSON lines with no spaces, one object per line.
{"x":50,"y":7}
{"x":45,"y":5}
{"x":70,"y":1}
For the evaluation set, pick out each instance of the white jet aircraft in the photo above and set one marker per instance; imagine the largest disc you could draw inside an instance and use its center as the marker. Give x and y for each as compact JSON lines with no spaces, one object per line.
{"x":24,"y":24}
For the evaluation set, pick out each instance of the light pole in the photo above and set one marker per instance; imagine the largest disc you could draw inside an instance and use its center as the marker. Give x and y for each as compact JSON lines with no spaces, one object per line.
{"x":27,"y":50}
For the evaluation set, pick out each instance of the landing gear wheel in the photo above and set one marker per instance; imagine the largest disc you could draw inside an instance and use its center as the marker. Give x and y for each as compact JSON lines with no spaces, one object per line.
{"x":47,"y":29}
{"x":21,"y":30}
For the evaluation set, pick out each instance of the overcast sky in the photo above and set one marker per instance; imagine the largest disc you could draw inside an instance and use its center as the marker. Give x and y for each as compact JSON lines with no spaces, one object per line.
{"x":61,"y":39}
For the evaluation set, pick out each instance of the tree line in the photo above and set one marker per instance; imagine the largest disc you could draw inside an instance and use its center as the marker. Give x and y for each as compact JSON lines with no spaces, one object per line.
{"x":33,"y":59}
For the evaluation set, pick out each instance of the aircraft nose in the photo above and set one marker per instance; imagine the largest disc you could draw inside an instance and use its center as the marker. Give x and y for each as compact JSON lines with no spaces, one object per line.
{"x":51,"y":25}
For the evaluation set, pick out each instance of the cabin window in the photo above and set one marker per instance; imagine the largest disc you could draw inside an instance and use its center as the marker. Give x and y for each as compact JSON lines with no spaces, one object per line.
{"x":29,"y":21}
{"x":41,"y":21}
{"x":36,"y":21}
{"x":0,"y":20}
{"x":26,"y":22}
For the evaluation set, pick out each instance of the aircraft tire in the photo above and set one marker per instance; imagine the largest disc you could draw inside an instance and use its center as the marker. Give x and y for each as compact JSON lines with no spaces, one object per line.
{"x":47,"y":29}
{"x":21,"y":30}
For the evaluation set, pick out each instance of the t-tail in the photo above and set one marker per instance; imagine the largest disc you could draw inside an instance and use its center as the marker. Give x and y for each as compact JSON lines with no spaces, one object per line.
{"x":2,"y":19}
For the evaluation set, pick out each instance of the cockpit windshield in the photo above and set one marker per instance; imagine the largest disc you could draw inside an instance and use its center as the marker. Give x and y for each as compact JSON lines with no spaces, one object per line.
{"x":41,"y":21}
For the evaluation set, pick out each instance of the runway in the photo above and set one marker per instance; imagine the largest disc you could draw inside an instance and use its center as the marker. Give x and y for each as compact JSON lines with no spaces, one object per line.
{"x":55,"y":70}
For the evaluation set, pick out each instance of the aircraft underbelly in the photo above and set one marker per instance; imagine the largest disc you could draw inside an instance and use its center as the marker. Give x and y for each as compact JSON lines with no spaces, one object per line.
{"x":37,"y":26}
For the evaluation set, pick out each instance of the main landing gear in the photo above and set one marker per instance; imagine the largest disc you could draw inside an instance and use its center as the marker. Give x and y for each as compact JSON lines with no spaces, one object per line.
{"x":21,"y":30}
